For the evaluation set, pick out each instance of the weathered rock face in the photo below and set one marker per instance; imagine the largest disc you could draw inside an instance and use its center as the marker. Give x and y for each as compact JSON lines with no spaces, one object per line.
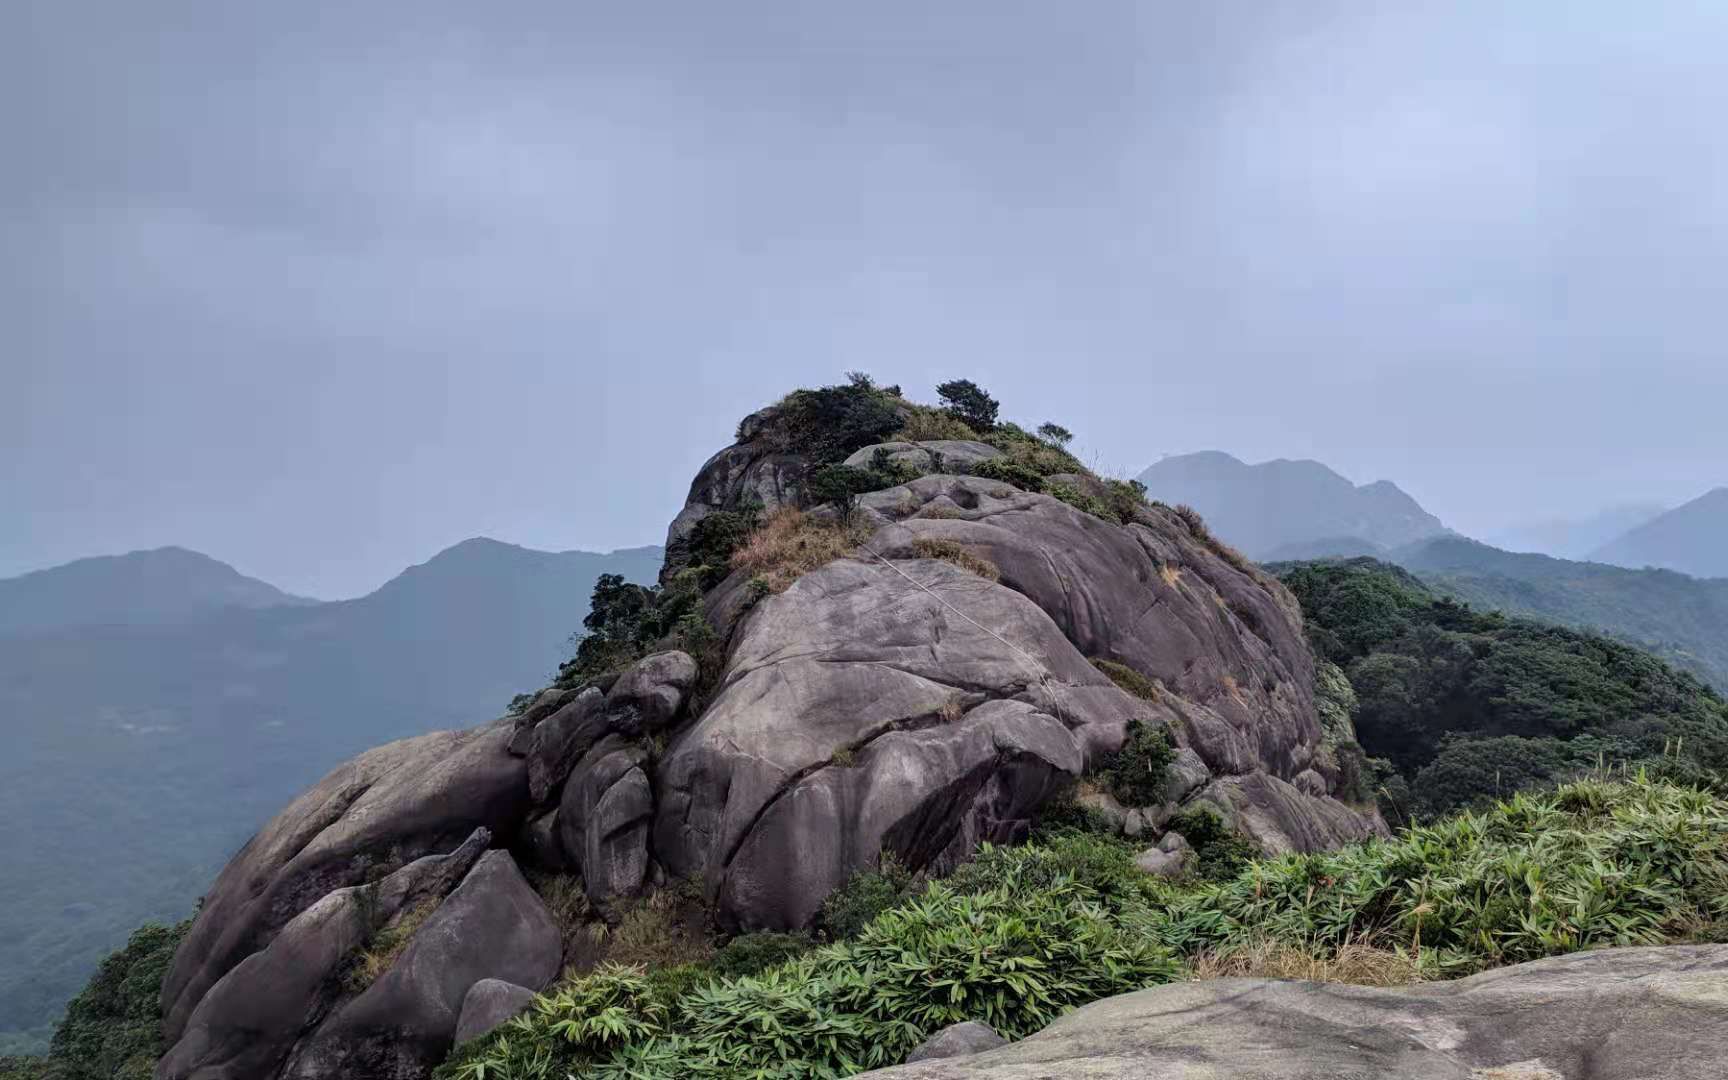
{"x":492,"y":927}
{"x":384,"y":808}
{"x":257,"y":989}
{"x":888,"y":701}
{"x":934,"y":456}
{"x":894,"y":702}
{"x":251,"y":1019}
{"x":1620,"y":1014}
{"x":489,"y":1003}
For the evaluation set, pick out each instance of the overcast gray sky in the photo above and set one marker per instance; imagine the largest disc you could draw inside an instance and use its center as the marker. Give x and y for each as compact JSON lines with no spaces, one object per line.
{"x":322,"y":288}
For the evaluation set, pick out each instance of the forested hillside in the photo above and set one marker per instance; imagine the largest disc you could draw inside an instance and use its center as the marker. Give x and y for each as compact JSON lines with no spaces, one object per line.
{"x":1682,"y":619}
{"x":1461,"y":704}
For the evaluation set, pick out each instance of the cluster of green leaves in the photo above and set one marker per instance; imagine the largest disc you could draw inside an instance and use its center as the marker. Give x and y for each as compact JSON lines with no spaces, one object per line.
{"x":1120,"y":500}
{"x":1018,"y":935}
{"x":1136,"y":773}
{"x":967,"y":402}
{"x":1010,"y":472}
{"x":868,"y":893}
{"x":827,"y":424}
{"x":113,"y":1029}
{"x":752,"y":954}
{"x":1682,"y":619}
{"x":715,"y":539}
{"x":627,"y":621}
{"x":1219,"y":852}
{"x":1470,"y":705}
{"x":1012,"y":956}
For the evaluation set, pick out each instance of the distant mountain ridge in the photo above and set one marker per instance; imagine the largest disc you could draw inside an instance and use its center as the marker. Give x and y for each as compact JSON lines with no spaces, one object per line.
{"x":1576,"y":538}
{"x":141,"y":588}
{"x":142,"y":752}
{"x":1692,"y":539}
{"x":1279,"y":507}
{"x":1682,"y":619}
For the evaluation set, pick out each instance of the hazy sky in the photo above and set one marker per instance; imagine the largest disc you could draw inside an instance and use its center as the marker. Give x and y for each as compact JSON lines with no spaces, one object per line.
{"x":321,"y":288}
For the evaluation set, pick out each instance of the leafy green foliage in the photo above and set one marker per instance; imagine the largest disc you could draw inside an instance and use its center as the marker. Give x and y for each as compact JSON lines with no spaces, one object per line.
{"x":827,"y":424}
{"x":112,"y":1030}
{"x":1219,"y":853}
{"x":1081,"y":501}
{"x":1682,"y":619}
{"x":968,"y":403}
{"x":626,"y":621}
{"x":1019,"y":935}
{"x":841,"y":485}
{"x":866,"y":895}
{"x":751,"y":954}
{"x":1009,"y":472}
{"x":716,"y":537}
{"x":1136,"y":773}
{"x":1055,"y":434}
{"x":1432,"y":676}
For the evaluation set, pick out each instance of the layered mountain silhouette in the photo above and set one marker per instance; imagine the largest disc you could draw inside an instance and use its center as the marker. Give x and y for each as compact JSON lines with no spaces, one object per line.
{"x":157,"y":707}
{"x":1682,"y":619}
{"x":1290,"y":509}
{"x":1692,"y":539}
{"x":1576,"y":538}
{"x":141,"y":588}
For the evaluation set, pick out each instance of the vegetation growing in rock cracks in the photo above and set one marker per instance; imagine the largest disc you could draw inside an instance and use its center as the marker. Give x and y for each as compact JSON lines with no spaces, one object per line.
{"x":1019,"y":935}
{"x":1465,"y":705}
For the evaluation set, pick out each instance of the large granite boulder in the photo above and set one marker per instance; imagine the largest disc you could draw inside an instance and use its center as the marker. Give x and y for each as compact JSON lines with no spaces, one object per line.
{"x":371,"y":815}
{"x":892,"y":701}
{"x":489,"y":1004}
{"x":604,"y":818}
{"x":492,"y":927}
{"x":251,"y":1019}
{"x":956,"y":456}
{"x":1619,"y":1014}
{"x":753,"y":470}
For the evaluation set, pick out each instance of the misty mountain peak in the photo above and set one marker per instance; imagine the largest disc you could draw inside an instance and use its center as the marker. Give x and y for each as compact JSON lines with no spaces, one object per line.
{"x":1286,"y":504}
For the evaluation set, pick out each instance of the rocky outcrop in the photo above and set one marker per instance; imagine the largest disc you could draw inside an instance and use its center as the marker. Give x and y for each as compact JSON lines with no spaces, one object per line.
{"x":1619,"y":1014}
{"x":255,"y":1014}
{"x":383,"y":809}
{"x":492,"y":927}
{"x":893,"y":702}
{"x":927,"y":692}
{"x":955,"y":456}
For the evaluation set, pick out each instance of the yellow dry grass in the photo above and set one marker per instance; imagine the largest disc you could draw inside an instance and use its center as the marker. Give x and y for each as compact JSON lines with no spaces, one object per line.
{"x":1171,"y":573}
{"x":1357,"y":964}
{"x":792,"y":543}
{"x":927,"y":547}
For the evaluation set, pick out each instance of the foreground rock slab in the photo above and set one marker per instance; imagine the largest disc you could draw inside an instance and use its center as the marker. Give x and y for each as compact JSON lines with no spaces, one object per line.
{"x":1617,"y":1014}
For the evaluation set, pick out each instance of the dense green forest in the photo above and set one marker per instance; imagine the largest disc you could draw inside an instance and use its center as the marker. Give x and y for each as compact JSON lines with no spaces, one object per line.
{"x":1460,"y":704}
{"x":1682,"y":619}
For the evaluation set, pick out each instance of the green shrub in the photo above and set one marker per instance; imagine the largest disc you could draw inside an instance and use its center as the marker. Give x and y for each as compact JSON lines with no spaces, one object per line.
{"x":841,"y":485}
{"x":1219,"y":853}
{"x":715,"y":539}
{"x":1081,"y":501}
{"x":828,"y":424}
{"x":1136,"y":773}
{"x":968,"y":403}
{"x":751,"y":954}
{"x":113,"y":1028}
{"x":1020,"y":934}
{"x":1009,"y":472}
{"x":1055,"y":434}
{"x":867,"y":894}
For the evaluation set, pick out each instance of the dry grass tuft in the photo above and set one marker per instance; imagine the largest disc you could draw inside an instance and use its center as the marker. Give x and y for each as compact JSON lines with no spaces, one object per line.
{"x":1171,"y":574}
{"x":791,"y":543}
{"x":655,"y":934}
{"x":948,"y":551}
{"x":951,"y":711}
{"x":1197,"y":526}
{"x":939,"y":510}
{"x":1357,"y":964}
